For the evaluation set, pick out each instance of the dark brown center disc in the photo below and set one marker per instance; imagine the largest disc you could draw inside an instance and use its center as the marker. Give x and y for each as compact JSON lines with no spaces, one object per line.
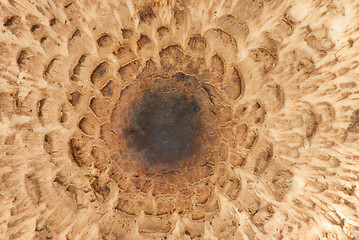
{"x":161,"y":124}
{"x":164,"y":127}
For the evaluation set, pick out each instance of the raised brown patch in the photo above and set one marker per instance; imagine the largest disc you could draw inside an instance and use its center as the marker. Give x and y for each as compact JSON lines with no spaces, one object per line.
{"x":217,"y":64}
{"x":100,"y":157}
{"x":126,"y":205}
{"x":108,"y":136}
{"x":147,"y":15}
{"x":75,"y":98}
{"x":127,"y":33}
{"x":354,"y":119}
{"x":197,"y":43}
{"x":129,"y":69}
{"x":99,"y":71}
{"x":234,"y":85}
{"x":264,"y":56}
{"x":144,"y":40}
{"x":98,"y":107}
{"x":162,"y":189}
{"x":78,"y":152}
{"x":104,"y":41}
{"x":171,"y":56}
{"x":24,"y":58}
{"x":77,"y":68}
{"x":13,"y":24}
{"x":124,"y":52}
{"x":162,"y":31}
{"x":86,"y":126}
{"x":108,"y":89}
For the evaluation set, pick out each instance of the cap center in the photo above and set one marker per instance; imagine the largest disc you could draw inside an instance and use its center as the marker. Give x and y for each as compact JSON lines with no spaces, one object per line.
{"x":164,"y":127}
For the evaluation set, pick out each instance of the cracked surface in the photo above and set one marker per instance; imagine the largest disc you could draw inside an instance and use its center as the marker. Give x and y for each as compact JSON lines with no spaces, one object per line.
{"x":179,"y":119}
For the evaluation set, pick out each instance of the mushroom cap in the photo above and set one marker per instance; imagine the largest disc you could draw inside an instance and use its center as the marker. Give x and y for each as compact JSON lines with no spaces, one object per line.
{"x":179,"y":119}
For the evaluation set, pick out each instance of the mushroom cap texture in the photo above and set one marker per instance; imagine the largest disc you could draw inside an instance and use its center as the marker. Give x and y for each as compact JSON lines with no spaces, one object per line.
{"x":187,"y":119}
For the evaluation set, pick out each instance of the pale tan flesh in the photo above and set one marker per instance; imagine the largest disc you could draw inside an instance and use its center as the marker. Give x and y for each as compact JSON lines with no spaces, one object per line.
{"x":298,"y":61}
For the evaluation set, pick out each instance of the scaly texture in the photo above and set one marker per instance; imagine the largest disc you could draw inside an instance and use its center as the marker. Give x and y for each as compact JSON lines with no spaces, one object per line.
{"x":277,"y":93}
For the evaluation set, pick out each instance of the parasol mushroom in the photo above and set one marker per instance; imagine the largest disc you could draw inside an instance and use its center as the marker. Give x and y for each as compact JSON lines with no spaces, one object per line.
{"x":179,"y":119}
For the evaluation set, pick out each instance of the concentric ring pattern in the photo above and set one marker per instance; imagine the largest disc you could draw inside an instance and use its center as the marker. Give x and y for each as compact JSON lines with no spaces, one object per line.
{"x":179,"y":119}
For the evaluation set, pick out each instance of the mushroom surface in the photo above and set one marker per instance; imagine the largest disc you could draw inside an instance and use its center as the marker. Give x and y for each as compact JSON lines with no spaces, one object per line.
{"x":164,"y":119}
